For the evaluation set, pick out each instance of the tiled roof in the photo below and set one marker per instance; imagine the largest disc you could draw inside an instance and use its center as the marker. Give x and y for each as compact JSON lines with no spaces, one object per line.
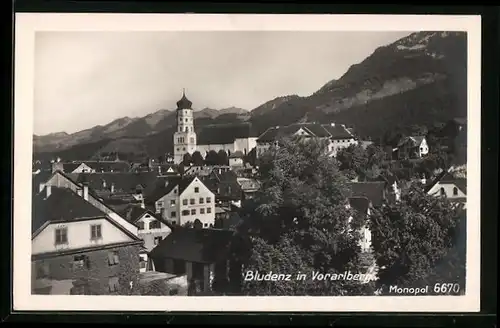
{"x":62,"y":205}
{"x":415,"y":140}
{"x":70,"y":167}
{"x":237,"y":154}
{"x":166,"y":185}
{"x":338,"y":131}
{"x":360,"y":204}
{"x":374,"y":191}
{"x":133,"y":213}
{"x":122,"y":181}
{"x":224,"y":133}
{"x":447,"y":177}
{"x":313,"y":129}
{"x":104,"y":166}
{"x":194,"y":245}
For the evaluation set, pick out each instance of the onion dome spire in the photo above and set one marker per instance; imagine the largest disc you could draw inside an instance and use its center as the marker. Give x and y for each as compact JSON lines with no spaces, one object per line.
{"x":184,"y":103}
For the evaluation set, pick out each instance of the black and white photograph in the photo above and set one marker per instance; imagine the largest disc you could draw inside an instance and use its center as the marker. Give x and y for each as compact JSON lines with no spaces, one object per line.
{"x":221,"y":162}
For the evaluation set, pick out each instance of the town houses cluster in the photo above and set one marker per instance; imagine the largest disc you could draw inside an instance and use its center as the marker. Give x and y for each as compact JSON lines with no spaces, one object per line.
{"x":105,"y":227}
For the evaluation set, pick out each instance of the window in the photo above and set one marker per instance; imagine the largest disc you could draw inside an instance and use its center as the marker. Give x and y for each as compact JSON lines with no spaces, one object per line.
{"x":192,"y":140}
{"x":209,"y":200}
{"x":196,"y":189}
{"x":113,"y":258}
{"x":142,"y":263}
{"x":81,"y":261}
{"x":229,"y":189}
{"x":154,"y":224}
{"x":192,"y":201}
{"x":184,"y":202}
{"x":178,"y":149}
{"x":185,"y":212}
{"x":186,"y":119}
{"x":205,"y":225}
{"x":201,"y":200}
{"x":202,"y":211}
{"x":113,"y":284}
{"x":61,"y":236}
{"x":159,"y":204}
{"x":42,"y":270}
{"x":173,"y":214}
{"x":95,"y":231}
{"x":193,"y":211}
{"x":455,"y":191}
{"x":141,"y":225}
{"x":157,"y":240}
{"x":443,"y":193}
{"x":172,"y":202}
{"x":173,"y":292}
{"x":209,"y":210}
{"x":183,"y":148}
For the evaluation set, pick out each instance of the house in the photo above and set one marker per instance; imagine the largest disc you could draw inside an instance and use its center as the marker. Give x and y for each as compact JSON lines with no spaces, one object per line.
{"x":180,"y":200}
{"x":224,"y":185}
{"x":77,"y":248}
{"x":206,"y":170}
{"x":449,"y":186}
{"x":201,"y":254}
{"x":362,"y":205}
{"x":151,"y":227}
{"x":248,"y":187}
{"x":377,"y":192}
{"x":90,"y":166}
{"x":337,"y":135}
{"x":412,"y":147}
{"x":62,"y":180}
{"x":236,"y":159}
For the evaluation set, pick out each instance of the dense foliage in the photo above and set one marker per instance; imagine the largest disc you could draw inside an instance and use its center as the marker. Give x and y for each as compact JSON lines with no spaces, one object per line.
{"x":414,"y":239}
{"x":299,"y":223}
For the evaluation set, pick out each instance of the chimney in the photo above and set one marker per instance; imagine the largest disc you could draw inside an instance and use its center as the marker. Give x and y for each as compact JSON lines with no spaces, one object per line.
{"x":86,"y":191}
{"x":112,"y":187}
{"x":103,"y":184}
{"x":79,"y":192}
{"x":48,"y":189}
{"x":142,"y":203}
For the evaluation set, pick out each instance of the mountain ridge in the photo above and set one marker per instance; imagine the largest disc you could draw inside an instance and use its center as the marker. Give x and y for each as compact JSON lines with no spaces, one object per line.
{"x":417,"y":79}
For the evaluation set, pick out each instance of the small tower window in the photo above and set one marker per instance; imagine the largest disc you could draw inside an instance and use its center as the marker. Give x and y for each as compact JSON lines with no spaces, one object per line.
{"x":192,"y":140}
{"x":455,"y":191}
{"x":442,"y":192}
{"x":186,"y":119}
{"x":186,"y":129}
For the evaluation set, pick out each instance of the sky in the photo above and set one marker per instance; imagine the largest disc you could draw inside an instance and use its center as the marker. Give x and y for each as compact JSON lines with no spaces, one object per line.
{"x":83,"y":79}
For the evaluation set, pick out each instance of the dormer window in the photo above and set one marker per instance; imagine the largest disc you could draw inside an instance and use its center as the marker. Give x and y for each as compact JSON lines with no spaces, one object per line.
{"x":196,"y":189}
{"x":61,"y":236}
{"x":455,"y":191}
{"x":442,"y":192}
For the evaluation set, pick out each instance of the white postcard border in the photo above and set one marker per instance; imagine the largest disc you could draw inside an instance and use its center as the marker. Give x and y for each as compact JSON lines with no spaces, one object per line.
{"x":27,"y":24}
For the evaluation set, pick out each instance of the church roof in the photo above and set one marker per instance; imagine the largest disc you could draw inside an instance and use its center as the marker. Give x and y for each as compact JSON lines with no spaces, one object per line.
{"x":224,"y":133}
{"x":184,"y":103}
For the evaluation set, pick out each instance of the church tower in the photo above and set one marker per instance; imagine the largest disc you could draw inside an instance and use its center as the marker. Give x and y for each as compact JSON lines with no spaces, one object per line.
{"x":184,"y":137}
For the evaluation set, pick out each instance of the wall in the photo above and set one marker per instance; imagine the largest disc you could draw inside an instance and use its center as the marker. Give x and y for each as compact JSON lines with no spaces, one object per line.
{"x":448,"y":189}
{"x":164,"y":203}
{"x":78,"y":236}
{"x":207,"y":218}
{"x":424,"y":148}
{"x":235,"y":162}
{"x":99,"y":270}
{"x":149,"y":238}
{"x":203,"y":149}
{"x":245,"y":145}
{"x":337,"y":144}
{"x":261,"y":149}
{"x":83,"y":168}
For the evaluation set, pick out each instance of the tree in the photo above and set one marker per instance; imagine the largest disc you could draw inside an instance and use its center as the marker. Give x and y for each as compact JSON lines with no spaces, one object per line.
{"x":298,"y":222}
{"x":212,"y":158}
{"x":411,"y":237}
{"x":222,"y":157}
{"x":197,"y":159}
{"x":251,"y":157}
{"x":186,"y":159}
{"x":353,"y":158}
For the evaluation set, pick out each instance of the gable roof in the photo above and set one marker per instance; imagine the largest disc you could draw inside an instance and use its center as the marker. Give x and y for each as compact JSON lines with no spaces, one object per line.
{"x":166,"y":185}
{"x":360,"y":204}
{"x":122,"y":181}
{"x":133,"y":213}
{"x":224,"y":133}
{"x":63,"y":205}
{"x":333,"y":131}
{"x":373,"y":191}
{"x":447,"y":177}
{"x":107,"y":166}
{"x":414,"y":140}
{"x":194,"y":245}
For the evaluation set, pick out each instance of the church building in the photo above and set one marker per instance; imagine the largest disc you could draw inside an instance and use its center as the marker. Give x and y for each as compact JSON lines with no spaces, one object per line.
{"x":232,"y":138}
